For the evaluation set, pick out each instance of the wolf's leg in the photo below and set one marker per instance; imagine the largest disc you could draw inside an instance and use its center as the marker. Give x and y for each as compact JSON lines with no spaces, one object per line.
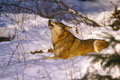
{"x":50,"y":58}
{"x":99,"y":45}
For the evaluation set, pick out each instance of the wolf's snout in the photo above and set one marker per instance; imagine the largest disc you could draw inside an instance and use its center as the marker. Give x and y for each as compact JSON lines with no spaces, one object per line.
{"x":49,"y":22}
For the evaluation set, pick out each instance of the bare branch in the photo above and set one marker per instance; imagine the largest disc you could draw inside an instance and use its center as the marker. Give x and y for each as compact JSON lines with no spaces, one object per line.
{"x":47,"y":9}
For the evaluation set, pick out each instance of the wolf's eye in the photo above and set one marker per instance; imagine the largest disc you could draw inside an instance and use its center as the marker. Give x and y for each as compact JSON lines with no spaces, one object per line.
{"x":56,"y":23}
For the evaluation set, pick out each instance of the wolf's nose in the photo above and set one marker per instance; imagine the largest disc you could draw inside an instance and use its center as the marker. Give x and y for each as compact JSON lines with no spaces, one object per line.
{"x":49,"y":22}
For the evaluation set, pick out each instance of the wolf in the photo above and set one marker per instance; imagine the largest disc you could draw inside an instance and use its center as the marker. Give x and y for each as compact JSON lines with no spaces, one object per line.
{"x":66,"y":45}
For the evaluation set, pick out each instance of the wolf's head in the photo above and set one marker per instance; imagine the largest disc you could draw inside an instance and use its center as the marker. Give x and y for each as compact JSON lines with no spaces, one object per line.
{"x":57,"y":29}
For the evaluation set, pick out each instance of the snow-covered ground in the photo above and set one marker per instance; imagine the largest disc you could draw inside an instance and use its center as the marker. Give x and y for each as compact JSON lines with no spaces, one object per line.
{"x":17,"y":62}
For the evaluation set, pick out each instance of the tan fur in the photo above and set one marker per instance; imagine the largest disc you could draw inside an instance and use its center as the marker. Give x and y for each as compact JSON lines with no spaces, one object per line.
{"x":66,"y":45}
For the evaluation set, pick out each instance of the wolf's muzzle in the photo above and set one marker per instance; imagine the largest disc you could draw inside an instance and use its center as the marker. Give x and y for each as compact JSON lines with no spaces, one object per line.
{"x":49,"y":23}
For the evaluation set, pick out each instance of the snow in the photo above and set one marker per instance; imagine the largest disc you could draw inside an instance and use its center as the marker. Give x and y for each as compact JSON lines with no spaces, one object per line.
{"x":17,"y":62}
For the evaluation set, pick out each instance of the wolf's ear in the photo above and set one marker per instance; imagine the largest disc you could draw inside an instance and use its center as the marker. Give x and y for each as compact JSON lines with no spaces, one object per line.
{"x":68,"y":28}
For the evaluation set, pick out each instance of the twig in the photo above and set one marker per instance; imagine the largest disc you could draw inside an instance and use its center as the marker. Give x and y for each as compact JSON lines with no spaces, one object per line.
{"x":12,"y":54}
